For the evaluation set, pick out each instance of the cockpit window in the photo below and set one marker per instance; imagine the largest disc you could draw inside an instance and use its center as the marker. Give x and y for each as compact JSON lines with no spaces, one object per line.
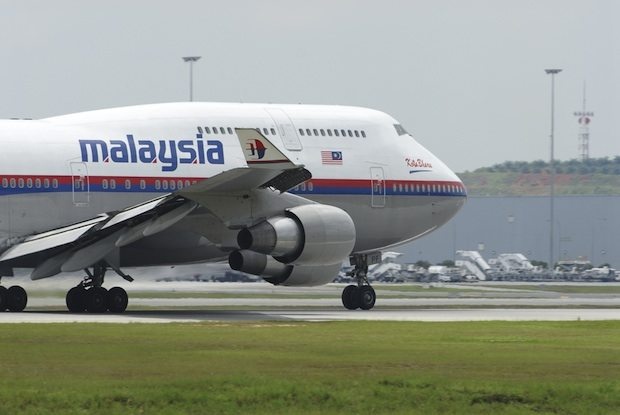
{"x":400,"y":129}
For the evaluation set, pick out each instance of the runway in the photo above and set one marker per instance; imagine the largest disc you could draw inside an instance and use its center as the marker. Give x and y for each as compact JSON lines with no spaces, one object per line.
{"x":315,"y":315}
{"x":195,"y":302}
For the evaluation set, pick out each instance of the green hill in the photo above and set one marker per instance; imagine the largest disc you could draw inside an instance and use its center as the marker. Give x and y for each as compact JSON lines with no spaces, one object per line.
{"x":591,"y":177}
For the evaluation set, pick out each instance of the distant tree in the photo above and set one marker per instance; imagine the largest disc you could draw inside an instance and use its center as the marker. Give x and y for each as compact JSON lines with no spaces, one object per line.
{"x":606,"y":264}
{"x":447,"y":263}
{"x":422,"y":264}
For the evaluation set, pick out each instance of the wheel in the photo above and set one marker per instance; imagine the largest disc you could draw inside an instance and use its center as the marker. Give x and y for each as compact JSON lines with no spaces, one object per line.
{"x":16,"y":298}
{"x":3,"y":298}
{"x":76,"y":299}
{"x":350,"y":297}
{"x":367,"y":297}
{"x":97,"y":300}
{"x":117,"y":300}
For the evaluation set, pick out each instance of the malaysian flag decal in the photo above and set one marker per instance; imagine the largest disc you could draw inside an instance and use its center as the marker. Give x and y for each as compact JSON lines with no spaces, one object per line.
{"x":331,"y":157}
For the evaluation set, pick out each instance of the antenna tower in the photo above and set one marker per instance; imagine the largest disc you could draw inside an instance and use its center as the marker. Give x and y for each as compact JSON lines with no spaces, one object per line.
{"x":584,"y":119}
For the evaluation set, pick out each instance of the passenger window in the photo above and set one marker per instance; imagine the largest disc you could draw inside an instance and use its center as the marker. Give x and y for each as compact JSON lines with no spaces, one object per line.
{"x":343,"y":132}
{"x":55,"y":183}
{"x":187,"y":183}
{"x":164,"y":184}
{"x":207,"y":130}
{"x":13,"y":182}
{"x":265,"y":131}
{"x":104,"y":184}
{"x":46,"y":183}
{"x":323,"y":132}
{"x":350,"y":133}
{"x":173,"y":185}
{"x":222,"y":130}
{"x":363,"y":134}
{"x":230,"y":130}
{"x":200,"y":129}
{"x":301,"y":132}
{"x":5,"y":182}
{"x":310,"y":186}
{"x":142,"y":184}
{"x":357,"y":133}
{"x":316,"y":133}
{"x":29,"y":183}
{"x":112,"y":184}
{"x":273,"y":131}
{"x":308,"y":131}
{"x":157,"y":185}
{"x":394,"y":188}
{"x":180,"y":184}
{"x":214,"y":130}
{"x":329,"y":132}
{"x":336,"y":133}
{"x":127,"y":184}
{"x":37,"y":183}
{"x":20,"y":183}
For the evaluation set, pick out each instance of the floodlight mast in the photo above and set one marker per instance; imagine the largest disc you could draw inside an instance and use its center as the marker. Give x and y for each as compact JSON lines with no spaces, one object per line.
{"x":191,"y":60}
{"x":552,"y":72}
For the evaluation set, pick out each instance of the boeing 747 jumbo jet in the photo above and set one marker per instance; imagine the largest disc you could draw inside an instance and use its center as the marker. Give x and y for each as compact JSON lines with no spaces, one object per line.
{"x":286,"y":192}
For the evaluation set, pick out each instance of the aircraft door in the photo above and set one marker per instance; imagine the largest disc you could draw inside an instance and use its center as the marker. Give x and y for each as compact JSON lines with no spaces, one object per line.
{"x":80,"y":184}
{"x":285,"y":128}
{"x":377,"y":184}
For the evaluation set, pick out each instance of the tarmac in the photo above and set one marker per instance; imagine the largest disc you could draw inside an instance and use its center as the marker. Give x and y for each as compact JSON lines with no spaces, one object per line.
{"x":194,"y":302}
{"x":315,"y":315}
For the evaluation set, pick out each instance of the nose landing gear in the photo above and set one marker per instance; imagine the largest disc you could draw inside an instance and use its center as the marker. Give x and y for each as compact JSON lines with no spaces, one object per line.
{"x":362,"y":295}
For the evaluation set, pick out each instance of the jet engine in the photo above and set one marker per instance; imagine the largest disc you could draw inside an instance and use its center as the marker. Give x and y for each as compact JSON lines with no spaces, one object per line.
{"x":278,"y":273}
{"x":304,"y":235}
{"x":305,"y":246}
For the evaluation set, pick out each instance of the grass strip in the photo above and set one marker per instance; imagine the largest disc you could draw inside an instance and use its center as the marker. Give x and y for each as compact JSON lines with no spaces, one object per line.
{"x":333,"y":367}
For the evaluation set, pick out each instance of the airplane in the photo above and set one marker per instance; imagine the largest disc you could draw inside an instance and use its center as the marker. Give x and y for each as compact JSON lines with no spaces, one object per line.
{"x":285,"y":192}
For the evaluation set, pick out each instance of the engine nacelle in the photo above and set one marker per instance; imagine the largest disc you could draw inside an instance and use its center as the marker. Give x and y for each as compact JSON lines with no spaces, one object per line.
{"x":306,"y":235}
{"x":278,"y":273}
{"x":258,"y":264}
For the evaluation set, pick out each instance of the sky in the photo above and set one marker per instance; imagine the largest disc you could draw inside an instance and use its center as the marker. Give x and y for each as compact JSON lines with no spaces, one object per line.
{"x":465,"y":77}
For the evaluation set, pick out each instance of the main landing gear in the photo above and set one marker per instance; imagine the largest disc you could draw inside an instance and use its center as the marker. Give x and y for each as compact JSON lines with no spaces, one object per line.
{"x":89,"y":295}
{"x":13,"y":298}
{"x":361,"y":295}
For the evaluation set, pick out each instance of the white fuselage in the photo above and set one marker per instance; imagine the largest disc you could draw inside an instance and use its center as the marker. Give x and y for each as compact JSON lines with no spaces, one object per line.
{"x":61,"y":170}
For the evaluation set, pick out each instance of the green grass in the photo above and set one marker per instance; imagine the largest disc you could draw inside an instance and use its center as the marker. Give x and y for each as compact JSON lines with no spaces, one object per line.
{"x":337,"y":367}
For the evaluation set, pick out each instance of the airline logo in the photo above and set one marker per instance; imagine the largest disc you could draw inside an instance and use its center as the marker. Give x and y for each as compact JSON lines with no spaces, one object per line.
{"x":419,"y":165}
{"x":255,"y":149}
{"x":168,"y":153}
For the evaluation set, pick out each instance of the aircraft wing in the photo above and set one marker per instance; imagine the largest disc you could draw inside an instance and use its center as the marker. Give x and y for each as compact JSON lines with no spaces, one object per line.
{"x":86,"y":243}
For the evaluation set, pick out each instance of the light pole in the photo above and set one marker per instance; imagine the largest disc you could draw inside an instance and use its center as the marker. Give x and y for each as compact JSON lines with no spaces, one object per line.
{"x":552,"y":72}
{"x":191,"y":60}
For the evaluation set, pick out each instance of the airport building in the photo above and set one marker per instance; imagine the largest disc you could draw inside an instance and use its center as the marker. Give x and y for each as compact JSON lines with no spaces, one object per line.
{"x":586,"y":227}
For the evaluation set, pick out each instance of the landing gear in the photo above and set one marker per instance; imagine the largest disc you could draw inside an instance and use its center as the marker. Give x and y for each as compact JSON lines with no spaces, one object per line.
{"x":362,"y":295}
{"x":89,"y":295}
{"x":13,"y":299}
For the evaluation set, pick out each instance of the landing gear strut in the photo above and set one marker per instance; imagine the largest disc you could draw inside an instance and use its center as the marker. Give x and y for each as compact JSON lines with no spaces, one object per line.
{"x":361,"y":295}
{"x":89,"y":295}
{"x":13,"y":299}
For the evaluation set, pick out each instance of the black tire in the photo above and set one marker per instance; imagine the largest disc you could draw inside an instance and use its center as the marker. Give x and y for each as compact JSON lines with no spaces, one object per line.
{"x":76,"y":300}
{"x":117,"y":300}
{"x":16,"y":298}
{"x":3,"y":298}
{"x":367,"y":297}
{"x":97,"y":300}
{"x":350,"y":297}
